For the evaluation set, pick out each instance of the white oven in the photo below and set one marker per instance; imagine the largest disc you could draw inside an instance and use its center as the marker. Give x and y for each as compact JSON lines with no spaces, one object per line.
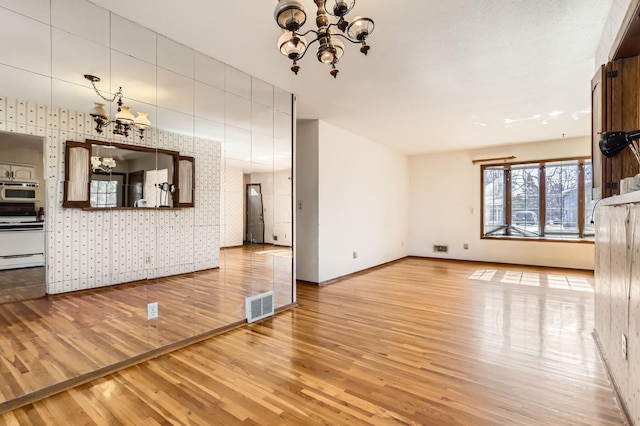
{"x":21,"y":241}
{"x":18,"y":191}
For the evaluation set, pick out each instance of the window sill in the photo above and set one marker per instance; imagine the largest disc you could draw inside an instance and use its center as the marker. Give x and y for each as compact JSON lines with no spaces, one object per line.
{"x":587,"y":240}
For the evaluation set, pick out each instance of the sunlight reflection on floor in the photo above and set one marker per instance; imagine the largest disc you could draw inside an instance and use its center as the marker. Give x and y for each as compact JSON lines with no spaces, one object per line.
{"x":281,"y":253}
{"x":555,"y":281}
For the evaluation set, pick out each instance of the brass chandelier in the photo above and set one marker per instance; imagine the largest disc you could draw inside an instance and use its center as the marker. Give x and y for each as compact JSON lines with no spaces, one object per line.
{"x":124,"y":120}
{"x":291,"y":16}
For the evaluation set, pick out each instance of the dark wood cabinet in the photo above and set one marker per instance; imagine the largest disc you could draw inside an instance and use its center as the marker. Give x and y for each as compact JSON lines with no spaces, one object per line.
{"x":615,"y":106}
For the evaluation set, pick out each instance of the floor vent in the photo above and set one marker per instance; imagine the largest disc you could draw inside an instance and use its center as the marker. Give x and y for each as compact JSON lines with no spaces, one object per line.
{"x":440,"y":249}
{"x":259,"y":306}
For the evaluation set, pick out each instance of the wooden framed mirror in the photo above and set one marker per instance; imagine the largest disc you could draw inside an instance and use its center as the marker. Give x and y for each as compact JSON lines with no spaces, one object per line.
{"x":108,"y":175}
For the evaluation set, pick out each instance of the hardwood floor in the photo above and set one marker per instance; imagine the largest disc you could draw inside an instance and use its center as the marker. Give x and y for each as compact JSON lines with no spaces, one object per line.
{"x":418,"y":342}
{"x":49,"y":340}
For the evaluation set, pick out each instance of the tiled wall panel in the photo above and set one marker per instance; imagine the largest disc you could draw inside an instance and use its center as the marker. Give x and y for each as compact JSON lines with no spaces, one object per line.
{"x":89,"y":249}
{"x":231,"y":207}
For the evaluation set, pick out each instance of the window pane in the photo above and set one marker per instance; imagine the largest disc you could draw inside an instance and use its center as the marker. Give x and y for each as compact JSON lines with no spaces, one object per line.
{"x":589,"y":229}
{"x":494,"y":214}
{"x":104,"y":193}
{"x":562,"y":199}
{"x":525,"y":200}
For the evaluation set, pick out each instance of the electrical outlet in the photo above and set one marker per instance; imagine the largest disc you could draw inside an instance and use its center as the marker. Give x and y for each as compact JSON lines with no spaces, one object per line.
{"x":355,"y":254}
{"x":465,"y":246}
{"x":275,"y":238}
{"x":299,"y":204}
{"x":624,"y":347}
{"x":147,"y":259}
{"x":152,"y":310}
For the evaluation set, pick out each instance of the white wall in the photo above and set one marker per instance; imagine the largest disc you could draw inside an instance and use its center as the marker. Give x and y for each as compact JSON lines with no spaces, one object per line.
{"x":445,"y":207}
{"x":610,"y":31}
{"x":231,"y":207}
{"x":362,"y":202}
{"x":307,"y":200}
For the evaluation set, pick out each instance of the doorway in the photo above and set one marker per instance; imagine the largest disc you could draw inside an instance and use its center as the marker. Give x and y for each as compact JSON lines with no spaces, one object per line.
{"x":255,"y":214}
{"x":135,"y":188}
{"x":22,"y":217}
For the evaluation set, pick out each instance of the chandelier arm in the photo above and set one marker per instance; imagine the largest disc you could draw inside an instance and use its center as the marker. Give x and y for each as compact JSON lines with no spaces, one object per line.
{"x":307,"y":49}
{"x":346,"y":38}
{"x":333,"y":24}
{"x":317,"y":33}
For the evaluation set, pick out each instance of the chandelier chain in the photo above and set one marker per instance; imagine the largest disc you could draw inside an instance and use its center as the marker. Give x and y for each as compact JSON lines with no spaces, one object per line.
{"x":117,"y":95}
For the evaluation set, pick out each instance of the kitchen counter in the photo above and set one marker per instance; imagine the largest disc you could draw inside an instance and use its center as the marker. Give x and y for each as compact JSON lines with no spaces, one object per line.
{"x":631,"y":197}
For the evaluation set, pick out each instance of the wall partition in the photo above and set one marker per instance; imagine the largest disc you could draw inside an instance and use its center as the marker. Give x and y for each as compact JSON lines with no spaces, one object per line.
{"x":139,"y":268}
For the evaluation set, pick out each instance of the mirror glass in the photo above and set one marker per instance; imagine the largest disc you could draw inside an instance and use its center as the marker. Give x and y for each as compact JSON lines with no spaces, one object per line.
{"x":22,"y":199}
{"x":122,"y":282}
{"x":131,"y":177}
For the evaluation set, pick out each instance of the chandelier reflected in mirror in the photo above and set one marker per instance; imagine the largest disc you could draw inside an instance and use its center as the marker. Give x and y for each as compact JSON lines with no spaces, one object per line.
{"x":291,"y":16}
{"x":124,"y":121}
{"x":102,"y":164}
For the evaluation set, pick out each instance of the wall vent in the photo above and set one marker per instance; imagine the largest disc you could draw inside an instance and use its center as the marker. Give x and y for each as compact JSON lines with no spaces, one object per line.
{"x":259,"y":306}
{"x":440,"y":249}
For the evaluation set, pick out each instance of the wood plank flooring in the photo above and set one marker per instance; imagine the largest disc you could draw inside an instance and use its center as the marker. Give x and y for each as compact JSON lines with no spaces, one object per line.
{"x":49,"y":340}
{"x":417,"y":342}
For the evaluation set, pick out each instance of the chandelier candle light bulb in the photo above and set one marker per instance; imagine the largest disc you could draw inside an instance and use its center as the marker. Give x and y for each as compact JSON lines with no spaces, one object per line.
{"x":101,"y":164}
{"x":142,"y":121}
{"x":291,"y":16}
{"x":124,"y":115}
{"x":99,"y":111}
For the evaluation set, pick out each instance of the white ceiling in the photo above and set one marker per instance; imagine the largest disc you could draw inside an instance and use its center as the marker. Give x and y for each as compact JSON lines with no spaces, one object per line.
{"x":441,"y":75}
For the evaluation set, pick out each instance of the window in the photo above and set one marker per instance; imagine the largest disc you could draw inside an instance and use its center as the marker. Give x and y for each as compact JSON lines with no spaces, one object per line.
{"x":541,"y":200}
{"x":107,"y":190}
{"x":104,"y":193}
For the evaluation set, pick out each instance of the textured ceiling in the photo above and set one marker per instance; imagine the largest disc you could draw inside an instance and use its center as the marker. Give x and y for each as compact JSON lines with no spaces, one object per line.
{"x":440,"y":75}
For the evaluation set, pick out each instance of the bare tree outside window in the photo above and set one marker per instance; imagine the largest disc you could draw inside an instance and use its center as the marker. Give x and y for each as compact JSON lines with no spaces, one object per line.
{"x":494,"y":197}
{"x":525,"y":199}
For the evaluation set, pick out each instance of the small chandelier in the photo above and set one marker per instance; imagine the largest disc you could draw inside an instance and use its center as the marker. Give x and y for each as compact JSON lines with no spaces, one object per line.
{"x":124,"y":121}
{"x":291,"y":16}
{"x":101,"y":164}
